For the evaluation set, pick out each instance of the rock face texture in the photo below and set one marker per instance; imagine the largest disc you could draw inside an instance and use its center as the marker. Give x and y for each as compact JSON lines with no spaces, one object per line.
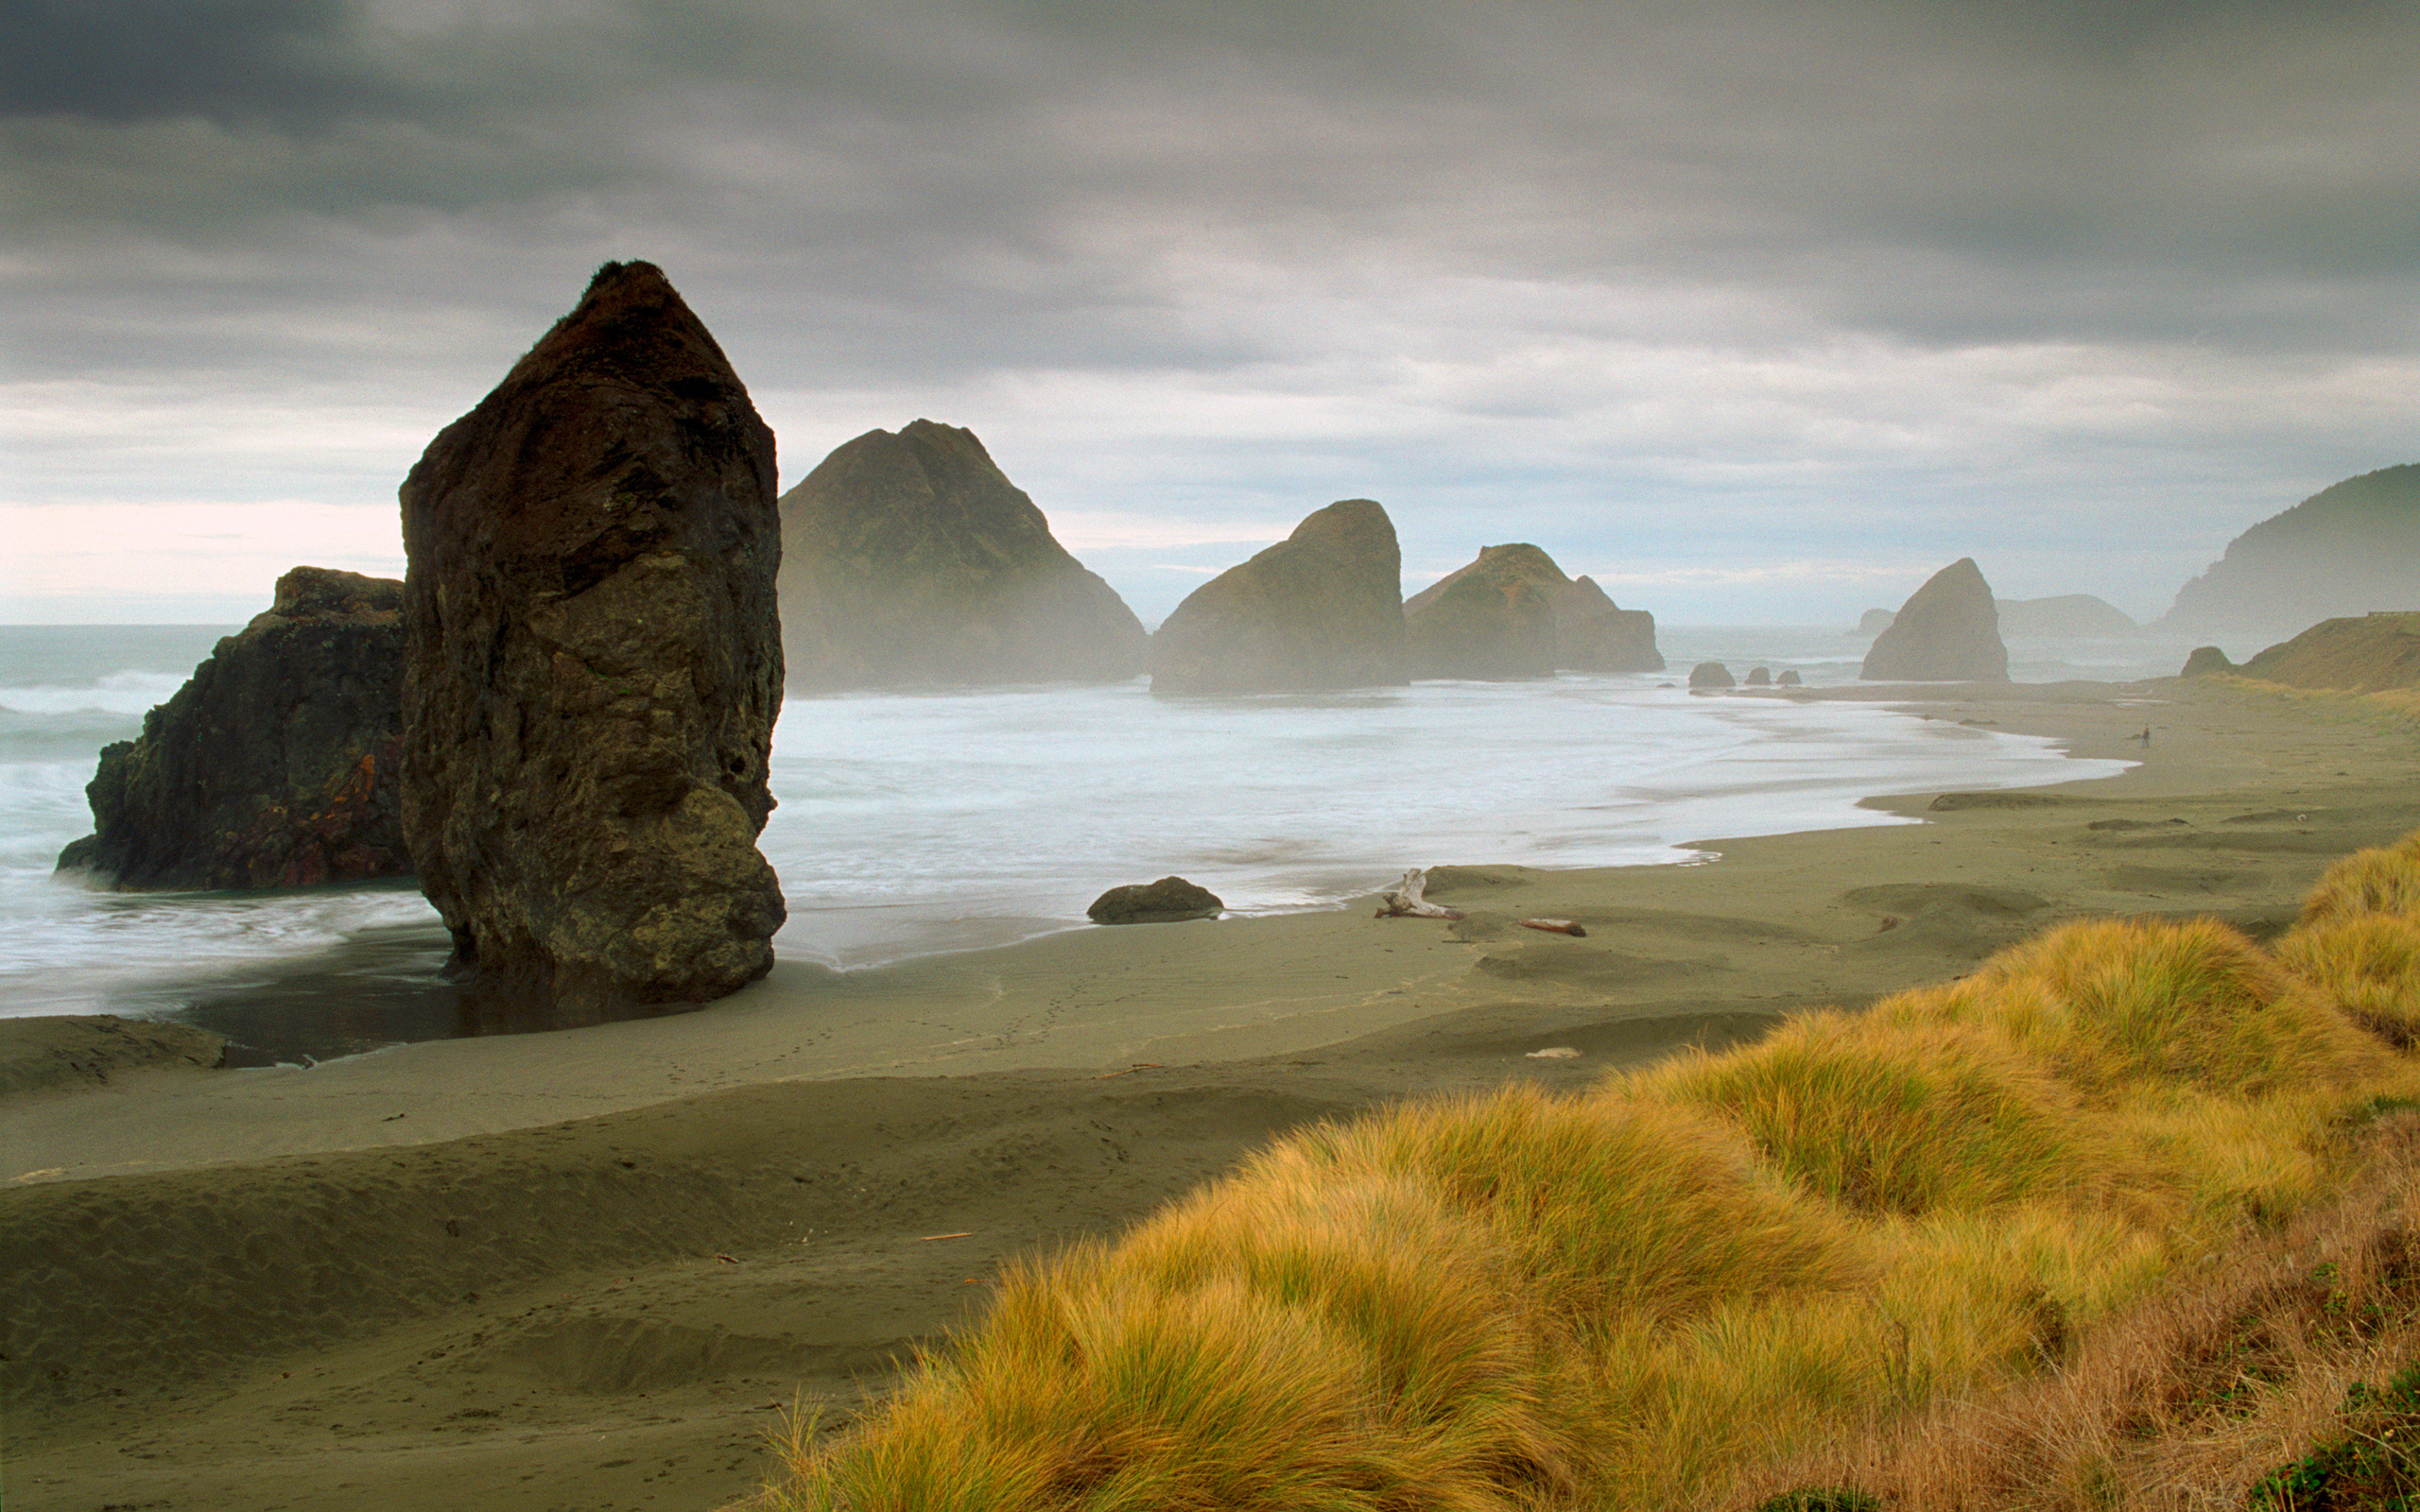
{"x":1165,"y":902}
{"x":2366,"y":653}
{"x":1322,"y":608}
{"x":2345,"y":550}
{"x":595,"y":666}
{"x":1947,"y":631}
{"x":275,"y":765}
{"x":1512,"y":613}
{"x":2066,"y":614}
{"x":911,"y":557}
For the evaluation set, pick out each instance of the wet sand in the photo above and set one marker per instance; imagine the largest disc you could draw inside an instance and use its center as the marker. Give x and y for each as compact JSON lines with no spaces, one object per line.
{"x":592,"y":1269}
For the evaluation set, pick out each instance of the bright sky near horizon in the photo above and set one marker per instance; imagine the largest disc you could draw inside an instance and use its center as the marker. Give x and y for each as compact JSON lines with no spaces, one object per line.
{"x":1760,"y":313}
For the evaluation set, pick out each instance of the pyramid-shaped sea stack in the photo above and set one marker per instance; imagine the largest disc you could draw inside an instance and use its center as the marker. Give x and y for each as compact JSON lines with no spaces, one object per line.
{"x":910,"y":557}
{"x":1322,"y":608}
{"x":1947,"y":631}
{"x":1512,"y":613}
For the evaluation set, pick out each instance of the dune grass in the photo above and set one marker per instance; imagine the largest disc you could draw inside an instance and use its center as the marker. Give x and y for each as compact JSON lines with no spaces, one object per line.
{"x":1654,"y":1293}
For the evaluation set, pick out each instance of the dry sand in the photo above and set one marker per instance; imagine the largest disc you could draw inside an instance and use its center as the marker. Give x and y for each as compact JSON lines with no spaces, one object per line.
{"x":591,"y":1269}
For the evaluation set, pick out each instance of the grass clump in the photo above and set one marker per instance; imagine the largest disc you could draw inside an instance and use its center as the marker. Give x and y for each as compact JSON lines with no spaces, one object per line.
{"x":1637,"y":1295}
{"x":2381,"y":879}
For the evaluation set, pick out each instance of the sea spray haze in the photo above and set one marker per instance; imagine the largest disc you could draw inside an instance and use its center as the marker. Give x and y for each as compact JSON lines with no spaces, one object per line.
{"x":595,"y":666}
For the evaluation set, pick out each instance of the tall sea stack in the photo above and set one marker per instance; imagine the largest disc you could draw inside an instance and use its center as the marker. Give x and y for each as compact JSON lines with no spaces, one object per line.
{"x":595,"y":666}
{"x":911,"y":557}
{"x":1322,"y":608}
{"x":1947,"y":631}
{"x":1512,"y":613}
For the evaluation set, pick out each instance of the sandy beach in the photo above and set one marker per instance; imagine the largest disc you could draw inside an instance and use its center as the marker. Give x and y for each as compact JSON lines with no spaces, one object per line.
{"x":593,"y":1269}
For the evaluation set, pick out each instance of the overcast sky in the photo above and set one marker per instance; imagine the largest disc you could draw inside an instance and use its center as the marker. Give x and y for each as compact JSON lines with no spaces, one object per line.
{"x":1758,"y":313}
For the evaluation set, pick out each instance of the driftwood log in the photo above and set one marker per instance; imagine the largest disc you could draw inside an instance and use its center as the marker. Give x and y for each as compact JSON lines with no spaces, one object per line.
{"x":1406,"y":902}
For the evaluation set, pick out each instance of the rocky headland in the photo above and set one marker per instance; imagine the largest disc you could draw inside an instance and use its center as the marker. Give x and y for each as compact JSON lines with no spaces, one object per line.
{"x":1947,"y":631}
{"x":2346,"y":549}
{"x":275,"y":764}
{"x":910,"y":557}
{"x":2363,"y":653}
{"x":1322,"y":608}
{"x":595,"y":667}
{"x":1512,"y":612}
{"x":2068,"y":614}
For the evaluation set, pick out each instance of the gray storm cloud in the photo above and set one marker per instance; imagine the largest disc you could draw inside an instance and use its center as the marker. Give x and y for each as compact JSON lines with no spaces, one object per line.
{"x":1816,"y":275}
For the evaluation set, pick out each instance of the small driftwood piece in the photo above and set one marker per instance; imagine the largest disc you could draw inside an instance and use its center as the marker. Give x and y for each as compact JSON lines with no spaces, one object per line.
{"x":1556,"y":926}
{"x":1406,"y":902}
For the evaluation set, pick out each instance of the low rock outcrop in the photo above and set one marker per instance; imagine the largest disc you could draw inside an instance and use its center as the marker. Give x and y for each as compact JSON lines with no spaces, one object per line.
{"x":595,"y":666}
{"x":275,"y":765}
{"x":1165,"y":902}
{"x":2204,"y":659}
{"x":1947,"y":631}
{"x":1789,"y":680}
{"x":1322,"y":608}
{"x":1711,"y":675}
{"x":911,"y":557}
{"x":1512,"y":613}
{"x":1760,"y":678}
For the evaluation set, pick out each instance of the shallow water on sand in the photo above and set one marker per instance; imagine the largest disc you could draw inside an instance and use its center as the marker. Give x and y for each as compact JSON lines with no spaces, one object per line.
{"x":919,"y":823}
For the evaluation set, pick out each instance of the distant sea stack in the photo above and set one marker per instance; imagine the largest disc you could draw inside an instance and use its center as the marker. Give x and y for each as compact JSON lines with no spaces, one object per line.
{"x":910,"y":557}
{"x":1322,"y":608}
{"x":1512,"y":613}
{"x":1947,"y":631}
{"x":275,"y":767}
{"x":595,"y":666}
{"x":2346,"y":549}
{"x":2069,"y":615}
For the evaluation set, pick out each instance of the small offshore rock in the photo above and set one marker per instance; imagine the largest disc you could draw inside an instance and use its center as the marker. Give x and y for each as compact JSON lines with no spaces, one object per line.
{"x":1789,"y":680}
{"x":1165,"y":902}
{"x":275,"y":764}
{"x":1760,"y":678}
{"x":1710,"y":675}
{"x":2204,"y":659}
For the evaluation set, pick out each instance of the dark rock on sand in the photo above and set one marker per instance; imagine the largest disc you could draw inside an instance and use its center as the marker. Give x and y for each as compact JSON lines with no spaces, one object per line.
{"x":1163,"y":901}
{"x":2204,"y":659}
{"x":1512,"y":613}
{"x":1947,"y":631}
{"x":1711,"y":675}
{"x":595,"y":666}
{"x":911,"y":557}
{"x":275,"y":767}
{"x":2346,"y":549}
{"x":1322,"y":608}
{"x":2368,"y":653}
{"x":2070,"y":614}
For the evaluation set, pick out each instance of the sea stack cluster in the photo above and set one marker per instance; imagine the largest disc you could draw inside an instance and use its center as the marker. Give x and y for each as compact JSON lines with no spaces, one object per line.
{"x":595,"y":666}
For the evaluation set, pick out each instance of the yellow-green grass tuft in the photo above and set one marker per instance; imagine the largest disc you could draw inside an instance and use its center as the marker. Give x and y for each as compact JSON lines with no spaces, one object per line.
{"x":1610,"y":1207}
{"x":2119,"y":1004}
{"x":2381,"y":879}
{"x":1891,"y":1117}
{"x":2368,"y":964}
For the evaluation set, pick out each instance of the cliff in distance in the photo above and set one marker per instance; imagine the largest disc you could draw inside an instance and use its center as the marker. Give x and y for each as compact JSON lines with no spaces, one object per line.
{"x":2346,"y":549}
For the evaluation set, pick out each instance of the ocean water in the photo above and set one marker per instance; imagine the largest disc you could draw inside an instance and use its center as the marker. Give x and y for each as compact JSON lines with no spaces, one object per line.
{"x":918,"y":823}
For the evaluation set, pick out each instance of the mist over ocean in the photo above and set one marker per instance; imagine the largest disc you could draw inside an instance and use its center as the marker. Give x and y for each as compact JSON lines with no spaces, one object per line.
{"x":918,"y":823}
